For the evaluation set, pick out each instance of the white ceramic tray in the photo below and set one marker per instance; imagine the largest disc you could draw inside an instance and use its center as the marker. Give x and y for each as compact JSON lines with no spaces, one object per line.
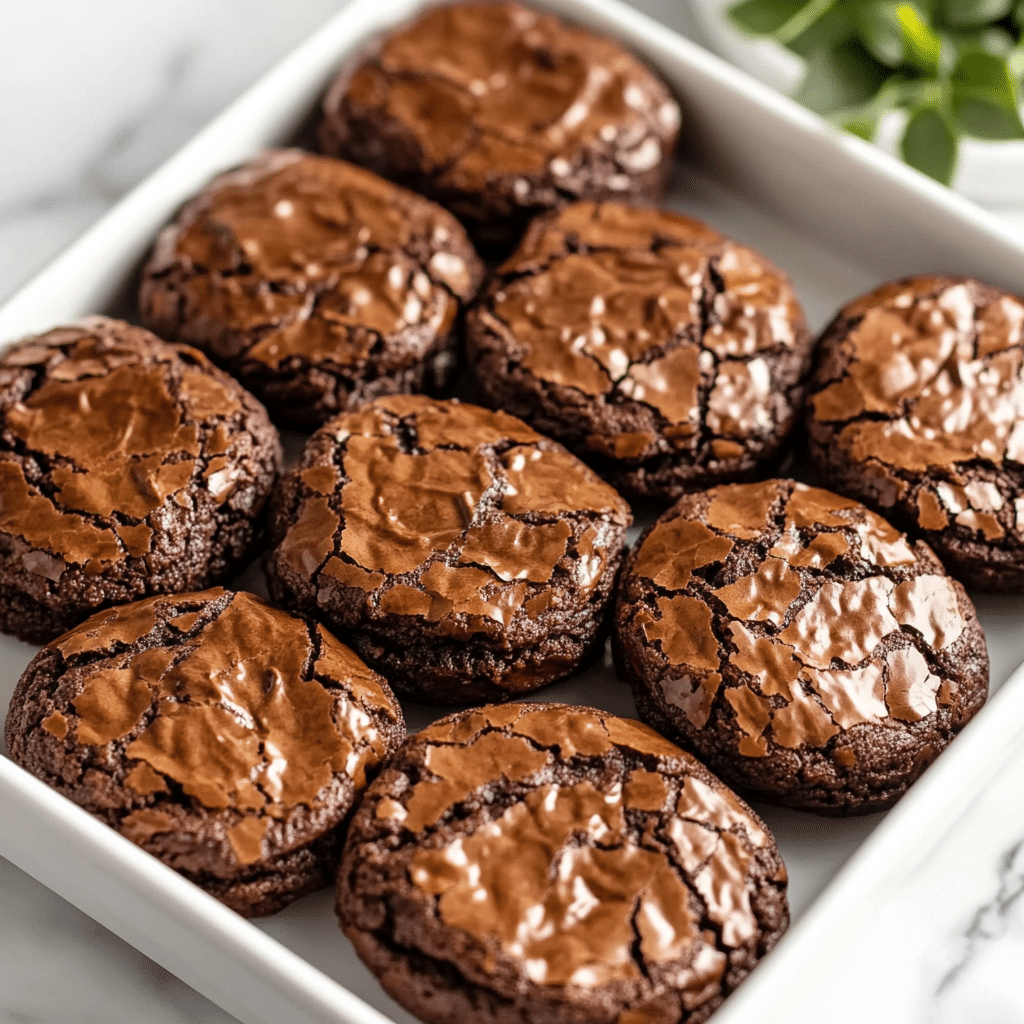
{"x":836,"y":214}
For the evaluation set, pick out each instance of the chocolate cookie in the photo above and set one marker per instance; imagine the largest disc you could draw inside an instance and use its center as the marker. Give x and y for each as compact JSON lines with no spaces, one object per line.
{"x":798,"y":644}
{"x":917,"y":409}
{"x":665,"y":355}
{"x":500,"y":113}
{"x":316,"y":283}
{"x":225,"y":737}
{"x":463,"y":555}
{"x":128,"y":467}
{"x":547,"y":864}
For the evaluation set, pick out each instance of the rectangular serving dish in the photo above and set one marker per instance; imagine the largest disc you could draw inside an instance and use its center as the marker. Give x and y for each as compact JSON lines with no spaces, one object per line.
{"x":835,"y":213}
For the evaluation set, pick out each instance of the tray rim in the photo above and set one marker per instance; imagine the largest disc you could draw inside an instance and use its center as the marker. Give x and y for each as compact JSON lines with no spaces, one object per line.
{"x":277,"y":981}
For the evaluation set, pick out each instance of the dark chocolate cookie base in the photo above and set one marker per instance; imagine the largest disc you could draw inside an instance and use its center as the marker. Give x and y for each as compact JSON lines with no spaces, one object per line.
{"x":281,"y":882}
{"x":193,"y":839}
{"x":568,"y":416}
{"x":496,"y":220}
{"x":361,"y":124}
{"x":990,"y":565}
{"x":889,"y":765}
{"x":593,"y":425}
{"x":424,"y":965}
{"x":221,"y":311}
{"x":195,"y":540}
{"x":304,"y":396}
{"x":430,"y":669}
{"x":889,"y":757}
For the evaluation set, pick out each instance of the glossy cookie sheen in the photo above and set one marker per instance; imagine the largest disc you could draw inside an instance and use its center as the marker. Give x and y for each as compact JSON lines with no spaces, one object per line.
{"x":500,"y":113}
{"x":128,"y":467}
{"x":225,"y":737}
{"x":667,"y":356}
{"x":316,"y":283}
{"x":798,"y":644}
{"x":539,"y":863}
{"x":462,"y":554}
{"x":917,"y":409}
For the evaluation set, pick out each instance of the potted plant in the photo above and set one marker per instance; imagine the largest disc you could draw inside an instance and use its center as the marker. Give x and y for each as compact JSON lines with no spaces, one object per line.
{"x":936,"y":82}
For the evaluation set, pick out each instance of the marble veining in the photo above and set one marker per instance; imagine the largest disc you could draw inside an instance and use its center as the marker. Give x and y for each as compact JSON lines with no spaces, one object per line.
{"x":93,"y":97}
{"x":983,"y":981}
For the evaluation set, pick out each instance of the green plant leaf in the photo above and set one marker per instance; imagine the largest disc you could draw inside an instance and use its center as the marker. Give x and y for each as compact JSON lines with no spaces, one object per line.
{"x":898,"y":33}
{"x":878,"y":28}
{"x":807,"y":16}
{"x":1018,"y":14}
{"x":917,"y":92}
{"x":974,"y":13}
{"x":783,"y":20}
{"x":985,"y":97}
{"x":922,"y":44}
{"x":862,"y":120}
{"x":763,"y":17}
{"x":835,"y":25}
{"x":840,"y":76}
{"x":930,"y":143}
{"x":984,"y":120}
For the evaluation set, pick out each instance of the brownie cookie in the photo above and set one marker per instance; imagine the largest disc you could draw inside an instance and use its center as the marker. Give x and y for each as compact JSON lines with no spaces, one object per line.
{"x":665,"y":355}
{"x":917,"y":409}
{"x":548,"y":864}
{"x":501,"y":113}
{"x":128,"y":467}
{"x":225,"y":737}
{"x":463,"y":555}
{"x":798,"y":644}
{"x":316,"y":283}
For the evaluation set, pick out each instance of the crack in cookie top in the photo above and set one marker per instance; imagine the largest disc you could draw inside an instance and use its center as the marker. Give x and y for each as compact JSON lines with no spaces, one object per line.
{"x":633,"y":305}
{"x":492,"y":91}
{"x":464,"y":517}
{"x":104,"y":428}
{"x":222,"y":719}
{"x":921,"y":388}
{"x":781,"y":616}
{"x":304,"y":257}
{"x":576,"y":849}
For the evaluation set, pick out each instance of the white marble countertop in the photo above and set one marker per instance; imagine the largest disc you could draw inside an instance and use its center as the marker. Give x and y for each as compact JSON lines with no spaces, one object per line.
{"x":94,"y":96}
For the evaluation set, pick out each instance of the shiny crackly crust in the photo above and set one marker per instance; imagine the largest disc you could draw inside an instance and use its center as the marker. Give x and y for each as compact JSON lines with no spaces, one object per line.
{"x":664,"y":354}
{"x":476,"y":135}
{"x":227,"y":738}
{"x":316,"y":283}
{"x":129,"y":467}
{"x":929,"y":431}
{"x":463,"y":555}
{"x":460,"y":925}
{"x":798,"y":644}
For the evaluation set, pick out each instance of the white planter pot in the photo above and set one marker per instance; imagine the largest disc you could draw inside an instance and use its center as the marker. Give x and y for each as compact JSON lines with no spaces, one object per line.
{"x":988,"y":172}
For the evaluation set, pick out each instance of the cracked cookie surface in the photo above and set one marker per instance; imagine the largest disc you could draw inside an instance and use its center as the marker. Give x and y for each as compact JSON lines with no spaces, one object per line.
{"x":665,"y":355}
{"x":459,"y":552}
{"x":500,"y":113}
{"x":917,"y":409}
{"x":128,"y":467}
{"x":316,"y":283}
{"x":542,"y":863}
{"x":225,"y":737}
{"x":798,"y":644}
